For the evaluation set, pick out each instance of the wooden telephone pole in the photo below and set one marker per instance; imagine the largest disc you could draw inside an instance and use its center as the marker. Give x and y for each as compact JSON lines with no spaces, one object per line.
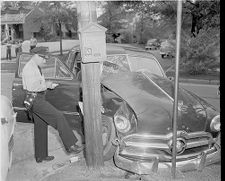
{"x":93,"y":51}
{"x":176,"y":88}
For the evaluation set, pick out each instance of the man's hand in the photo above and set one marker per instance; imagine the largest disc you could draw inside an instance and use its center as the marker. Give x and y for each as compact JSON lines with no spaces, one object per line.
{"x":54,"y":85}
{"x":51,"y":85}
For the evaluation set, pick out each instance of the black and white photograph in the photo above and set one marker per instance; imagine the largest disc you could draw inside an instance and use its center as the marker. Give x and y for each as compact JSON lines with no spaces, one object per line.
{"x":110,"y":90}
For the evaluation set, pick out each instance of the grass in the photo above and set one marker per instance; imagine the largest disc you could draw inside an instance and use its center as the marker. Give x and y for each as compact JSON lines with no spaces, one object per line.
{"x":209,"y":76}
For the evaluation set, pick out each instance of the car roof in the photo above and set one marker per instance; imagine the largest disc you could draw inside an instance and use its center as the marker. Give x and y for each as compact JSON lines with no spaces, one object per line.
{"x":152,"y":40}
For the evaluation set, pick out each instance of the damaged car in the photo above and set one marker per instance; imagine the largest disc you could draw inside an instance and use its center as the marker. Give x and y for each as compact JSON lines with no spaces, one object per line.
{"x":8,"y":121}
{"x":137,"y":111}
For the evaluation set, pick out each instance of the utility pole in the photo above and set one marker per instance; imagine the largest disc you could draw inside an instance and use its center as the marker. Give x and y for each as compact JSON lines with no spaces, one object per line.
{"x":176,"y":87}
{"x":93,"y":51}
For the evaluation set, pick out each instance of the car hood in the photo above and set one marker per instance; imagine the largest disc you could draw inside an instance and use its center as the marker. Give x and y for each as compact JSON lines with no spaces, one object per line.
{"x":150,"y":97}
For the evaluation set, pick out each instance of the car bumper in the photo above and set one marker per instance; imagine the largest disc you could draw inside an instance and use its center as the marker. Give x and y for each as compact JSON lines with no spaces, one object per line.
{"x":148,"y":166}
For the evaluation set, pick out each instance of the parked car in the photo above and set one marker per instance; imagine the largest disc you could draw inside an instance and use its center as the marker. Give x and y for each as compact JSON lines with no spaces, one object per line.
{"x":8,"y":120}
{"x":152,"y":44}
{"x":168,"y":48}
{"x":137,"y":101}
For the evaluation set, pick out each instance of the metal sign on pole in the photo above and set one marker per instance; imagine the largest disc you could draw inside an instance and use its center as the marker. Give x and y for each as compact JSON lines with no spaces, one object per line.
{"x":176,"y":87}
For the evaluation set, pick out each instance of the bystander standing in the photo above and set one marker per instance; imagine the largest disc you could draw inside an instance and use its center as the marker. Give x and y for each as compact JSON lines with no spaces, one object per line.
{"x":18,"y":47}
{"x":33,"y":42}
{"x":8,"y":50}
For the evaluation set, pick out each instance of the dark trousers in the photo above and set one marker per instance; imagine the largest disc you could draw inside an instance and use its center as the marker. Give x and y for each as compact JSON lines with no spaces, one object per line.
{"x":8,"y":53}
{"x":45,"y":114}
{"x":18,"y":50}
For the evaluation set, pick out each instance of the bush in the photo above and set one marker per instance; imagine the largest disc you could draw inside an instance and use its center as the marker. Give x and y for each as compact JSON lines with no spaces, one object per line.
{"x":126,"y":37}
{"x":198,"y":53}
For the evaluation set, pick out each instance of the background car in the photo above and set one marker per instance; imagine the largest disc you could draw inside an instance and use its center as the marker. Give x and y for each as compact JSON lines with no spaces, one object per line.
{"x":152,"y":44}
{"x":137,"y":101}
{"x":168,"y":48}
{"x":8,"y":121}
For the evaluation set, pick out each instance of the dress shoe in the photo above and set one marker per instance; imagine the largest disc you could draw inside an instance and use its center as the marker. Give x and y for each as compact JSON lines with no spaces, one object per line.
{"x":48,"y":158}
{"x":75,"y":149}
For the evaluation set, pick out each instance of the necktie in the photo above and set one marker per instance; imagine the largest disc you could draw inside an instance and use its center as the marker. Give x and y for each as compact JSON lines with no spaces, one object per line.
{"x":40,"y":70}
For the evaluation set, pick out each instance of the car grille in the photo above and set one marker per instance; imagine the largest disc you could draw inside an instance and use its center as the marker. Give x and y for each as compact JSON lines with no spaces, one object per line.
{"x":142,"y":147}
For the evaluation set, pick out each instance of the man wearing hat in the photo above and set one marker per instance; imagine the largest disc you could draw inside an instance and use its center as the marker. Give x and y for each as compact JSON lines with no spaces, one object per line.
{"x":43,"y":112}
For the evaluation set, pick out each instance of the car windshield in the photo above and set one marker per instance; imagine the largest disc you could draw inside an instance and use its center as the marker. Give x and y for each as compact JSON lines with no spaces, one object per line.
{"x":151,"y":41}
{"x":149,"y":64}
{"x":115,"y":64}
{"x":132,"y":61}
{"x":53,"y":68}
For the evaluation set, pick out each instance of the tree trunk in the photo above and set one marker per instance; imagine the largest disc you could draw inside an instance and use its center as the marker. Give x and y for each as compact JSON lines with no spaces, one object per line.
{"x":142,"y":29}
{"x":60,"y":37}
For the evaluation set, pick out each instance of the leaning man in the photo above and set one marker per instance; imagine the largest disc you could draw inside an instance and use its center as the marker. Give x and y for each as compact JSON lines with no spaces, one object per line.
{"x":43,"y":112}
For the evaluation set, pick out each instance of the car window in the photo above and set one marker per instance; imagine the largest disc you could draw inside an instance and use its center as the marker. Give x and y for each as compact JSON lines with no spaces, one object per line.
{"x":53,"y":68}
{"x":115,"y":64}
{"x":61,"y":72}
{"x":70,"y":59}
{"x":138,"y":63}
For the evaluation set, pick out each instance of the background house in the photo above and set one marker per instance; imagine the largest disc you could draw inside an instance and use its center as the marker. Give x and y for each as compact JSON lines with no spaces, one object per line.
{"x":19,"y":23}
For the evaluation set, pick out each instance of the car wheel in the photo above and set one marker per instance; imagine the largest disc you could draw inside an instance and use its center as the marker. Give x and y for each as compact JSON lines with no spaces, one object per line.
{"x":108,"y":135}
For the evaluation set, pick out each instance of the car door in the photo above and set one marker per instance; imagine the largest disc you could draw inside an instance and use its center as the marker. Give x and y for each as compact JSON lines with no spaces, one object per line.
{"x":64,"y":97}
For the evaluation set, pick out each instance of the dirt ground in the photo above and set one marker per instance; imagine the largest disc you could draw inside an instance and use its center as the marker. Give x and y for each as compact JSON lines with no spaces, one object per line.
{"x":79,"y":172}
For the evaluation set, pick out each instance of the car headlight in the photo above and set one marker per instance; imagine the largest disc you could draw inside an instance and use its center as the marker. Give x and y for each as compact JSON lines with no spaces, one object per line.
{"x":215,"y":123}
{"x":122,"y":123}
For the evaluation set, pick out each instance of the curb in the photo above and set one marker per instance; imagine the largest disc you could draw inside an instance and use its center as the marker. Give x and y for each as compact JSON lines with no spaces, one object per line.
{"x":199,"y":81}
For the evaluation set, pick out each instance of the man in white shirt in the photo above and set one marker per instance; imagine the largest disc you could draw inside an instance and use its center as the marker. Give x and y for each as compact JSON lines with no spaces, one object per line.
{"x":43,"y":112}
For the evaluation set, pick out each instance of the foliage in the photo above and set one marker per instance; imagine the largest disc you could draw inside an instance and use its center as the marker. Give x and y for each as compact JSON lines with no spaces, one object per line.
{"x":201,"y":53}
{"x":56,"y":14}
{"x":205,"y":14}
{"x":111,"y":17}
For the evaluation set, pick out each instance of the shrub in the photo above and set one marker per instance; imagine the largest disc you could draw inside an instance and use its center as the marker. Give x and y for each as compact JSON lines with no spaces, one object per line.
{"x":198,"y":53}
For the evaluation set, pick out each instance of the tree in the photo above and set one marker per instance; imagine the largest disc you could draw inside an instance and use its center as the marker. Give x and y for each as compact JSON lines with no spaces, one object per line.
{"x":205,"y":14}
{"x":57,"y":13}
{"x":141,"y":10}
{"x":112,"y":16}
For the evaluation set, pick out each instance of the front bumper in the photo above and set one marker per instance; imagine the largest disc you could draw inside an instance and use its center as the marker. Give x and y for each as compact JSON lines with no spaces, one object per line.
{"x":153,"y":164}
